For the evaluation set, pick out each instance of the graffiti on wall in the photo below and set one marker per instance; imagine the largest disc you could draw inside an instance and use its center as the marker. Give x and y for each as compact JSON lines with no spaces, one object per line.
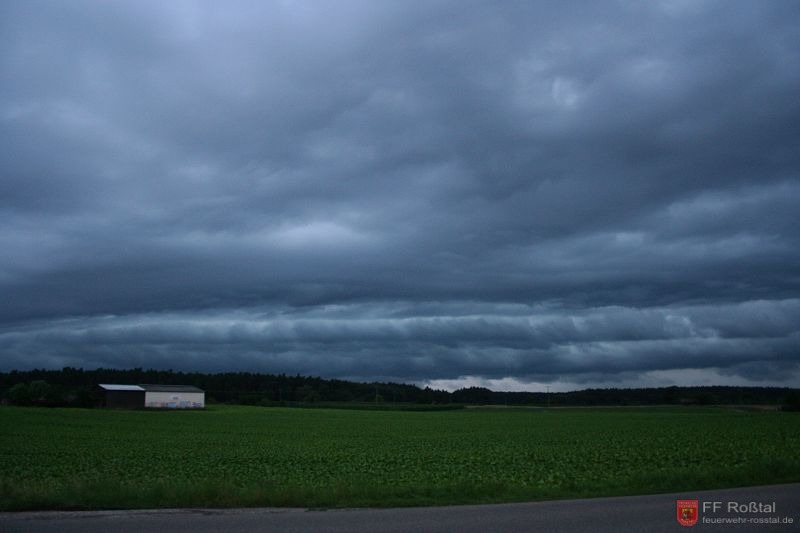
{"x":175,"y":402}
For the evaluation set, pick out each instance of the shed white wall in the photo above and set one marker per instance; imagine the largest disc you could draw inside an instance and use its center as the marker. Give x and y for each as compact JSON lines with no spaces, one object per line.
{"x":175,"y":400}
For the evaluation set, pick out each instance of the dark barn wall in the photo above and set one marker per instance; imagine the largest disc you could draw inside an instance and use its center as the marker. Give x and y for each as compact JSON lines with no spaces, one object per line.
{"x":124,"y":399}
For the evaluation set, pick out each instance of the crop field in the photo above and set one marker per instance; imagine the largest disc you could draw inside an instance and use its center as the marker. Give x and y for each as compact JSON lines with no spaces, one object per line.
{"x":248,"y":456}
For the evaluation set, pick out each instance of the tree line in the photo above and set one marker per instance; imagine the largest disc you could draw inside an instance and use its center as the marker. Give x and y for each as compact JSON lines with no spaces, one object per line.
{"x":79,"y":388}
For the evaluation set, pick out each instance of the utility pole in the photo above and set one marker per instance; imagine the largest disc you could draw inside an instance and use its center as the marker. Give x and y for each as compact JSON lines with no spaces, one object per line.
{"x":548,"y":396}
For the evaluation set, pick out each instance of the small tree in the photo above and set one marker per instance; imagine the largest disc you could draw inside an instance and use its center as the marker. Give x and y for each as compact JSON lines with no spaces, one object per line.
{"x":40,"y":391}
{"x":20,"y":394}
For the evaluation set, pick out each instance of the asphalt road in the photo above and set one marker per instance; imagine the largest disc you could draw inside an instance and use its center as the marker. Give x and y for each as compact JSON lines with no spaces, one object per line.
{"x":651,"y":513}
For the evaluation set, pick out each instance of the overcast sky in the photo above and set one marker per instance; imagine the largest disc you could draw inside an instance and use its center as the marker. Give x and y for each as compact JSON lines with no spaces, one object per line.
{"x":508,"y":194}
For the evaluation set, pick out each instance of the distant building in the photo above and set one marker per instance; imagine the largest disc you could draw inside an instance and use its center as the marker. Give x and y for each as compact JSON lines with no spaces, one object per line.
{"x":122,"y":396}
{"x":173,"y":397}
{"x":152,"y":396}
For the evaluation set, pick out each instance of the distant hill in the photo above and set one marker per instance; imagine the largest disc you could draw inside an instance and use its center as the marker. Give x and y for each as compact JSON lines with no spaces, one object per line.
{"x":76,"y":386}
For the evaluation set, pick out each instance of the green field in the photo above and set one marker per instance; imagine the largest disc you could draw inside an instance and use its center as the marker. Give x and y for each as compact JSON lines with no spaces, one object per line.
{"x":246,"y":456}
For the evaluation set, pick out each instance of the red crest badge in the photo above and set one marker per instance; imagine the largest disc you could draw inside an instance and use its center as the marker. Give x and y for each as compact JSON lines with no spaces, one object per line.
{"x":687,"y":512}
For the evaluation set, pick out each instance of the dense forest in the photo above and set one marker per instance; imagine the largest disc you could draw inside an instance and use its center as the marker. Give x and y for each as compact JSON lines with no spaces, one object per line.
{"x":78,"y":387}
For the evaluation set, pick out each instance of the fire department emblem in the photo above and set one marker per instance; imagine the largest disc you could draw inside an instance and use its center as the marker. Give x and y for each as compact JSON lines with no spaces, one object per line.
{"x":687,"y":512}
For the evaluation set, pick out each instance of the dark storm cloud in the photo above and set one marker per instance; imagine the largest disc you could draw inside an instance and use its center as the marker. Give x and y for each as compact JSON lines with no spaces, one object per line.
{"x":433,"y":190}
{"x":534,"y":343}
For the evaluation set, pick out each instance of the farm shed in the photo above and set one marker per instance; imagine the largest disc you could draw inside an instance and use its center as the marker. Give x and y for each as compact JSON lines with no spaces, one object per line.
{"x":173,"y":397}
{"x":152,"y":396}
{"x":122,"y":396}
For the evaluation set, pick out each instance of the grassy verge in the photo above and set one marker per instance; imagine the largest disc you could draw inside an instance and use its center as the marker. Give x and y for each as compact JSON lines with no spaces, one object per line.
{"x":77,"y":495}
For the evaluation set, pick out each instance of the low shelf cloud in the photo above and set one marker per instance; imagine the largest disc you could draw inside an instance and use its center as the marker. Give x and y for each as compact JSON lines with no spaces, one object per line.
{"x":445,"y":193}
